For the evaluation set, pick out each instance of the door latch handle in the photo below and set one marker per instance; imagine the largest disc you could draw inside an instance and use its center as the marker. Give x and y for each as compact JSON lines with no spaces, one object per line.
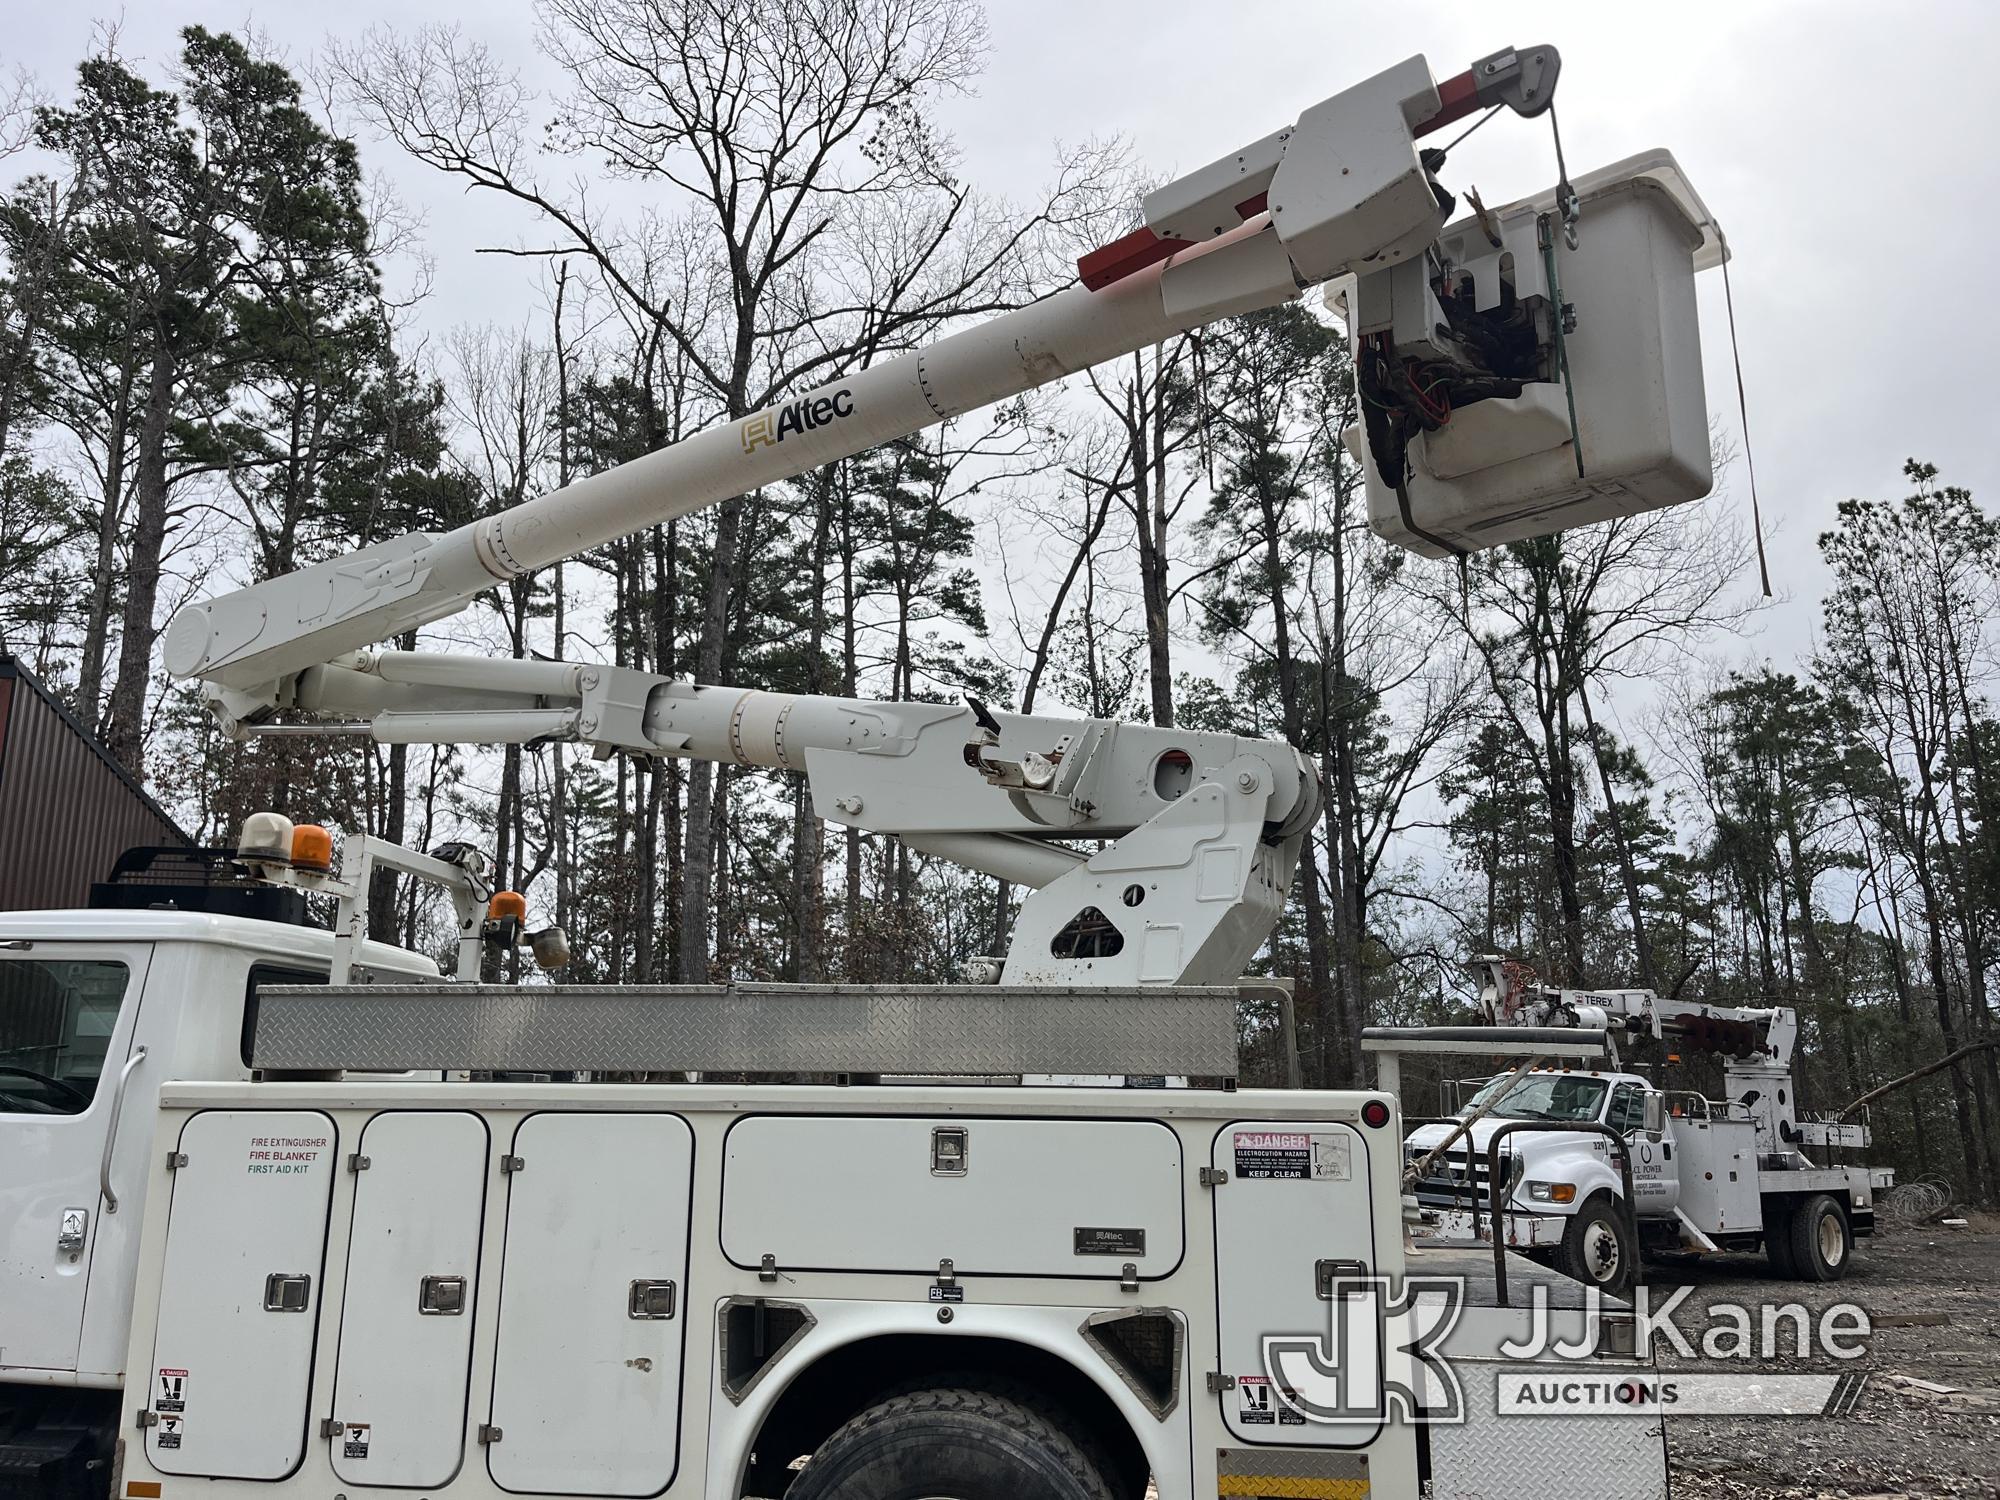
{"x":75,"y":1230}
{"x":650,"y":1300}
{"x":287,"y":1292}
{"x":1328,"y":1273}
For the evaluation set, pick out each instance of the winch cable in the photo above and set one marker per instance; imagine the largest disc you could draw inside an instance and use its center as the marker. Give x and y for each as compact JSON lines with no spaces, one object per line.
{"x":1417,"y":1170}
{"x":1548,"y":241}
{"x":1452,"y":144}
{"x":1570,"y":209}
{"x":1743,"y":411}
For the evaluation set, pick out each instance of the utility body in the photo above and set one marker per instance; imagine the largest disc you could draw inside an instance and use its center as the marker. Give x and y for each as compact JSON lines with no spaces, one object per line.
{"x":267,"y":1227}
{"x":352,"y":1277}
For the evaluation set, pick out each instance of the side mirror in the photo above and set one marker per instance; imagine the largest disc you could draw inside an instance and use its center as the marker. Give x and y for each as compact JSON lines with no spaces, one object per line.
{"x":1654,"y":1117}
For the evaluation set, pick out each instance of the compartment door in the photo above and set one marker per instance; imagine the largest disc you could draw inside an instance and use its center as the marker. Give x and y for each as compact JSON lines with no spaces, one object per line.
{"x":1296,"y":1208}
{"x":593,"y":1297}
{"x":406,"y":1320}
{"x":240,"y":1294}
{"x":896,"y":1194}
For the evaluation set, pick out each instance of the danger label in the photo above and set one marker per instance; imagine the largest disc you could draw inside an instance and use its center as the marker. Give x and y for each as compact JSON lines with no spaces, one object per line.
{"x":1261,"y":1404}
{"x":1293,"y":1155}
{"x":168,"y":1433}
{"x":172,"y":1395}
{"x":354,"y":1442}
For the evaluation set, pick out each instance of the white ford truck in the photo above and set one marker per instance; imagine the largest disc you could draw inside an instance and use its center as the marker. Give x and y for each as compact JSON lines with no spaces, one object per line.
{"x":1637,"y":1169}
{"x":269,"y":1236}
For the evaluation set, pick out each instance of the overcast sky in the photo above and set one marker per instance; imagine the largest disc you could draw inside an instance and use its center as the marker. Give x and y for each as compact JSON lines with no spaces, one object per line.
{"x":1845,"y":148}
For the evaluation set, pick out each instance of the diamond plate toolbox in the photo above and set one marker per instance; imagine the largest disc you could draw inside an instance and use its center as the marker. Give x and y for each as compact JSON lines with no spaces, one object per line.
{"x":979,"y":1030}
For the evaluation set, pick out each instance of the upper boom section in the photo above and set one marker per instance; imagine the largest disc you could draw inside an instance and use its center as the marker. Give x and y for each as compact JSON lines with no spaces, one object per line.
{"x":1341,"y":189}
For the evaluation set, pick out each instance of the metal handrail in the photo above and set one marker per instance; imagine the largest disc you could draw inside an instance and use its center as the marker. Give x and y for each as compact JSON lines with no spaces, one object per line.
{"x":1707,"y":1105}
{"x":1494,"y":1187}
{"x":1471,"y":1161}
{"x":111,"y":1130}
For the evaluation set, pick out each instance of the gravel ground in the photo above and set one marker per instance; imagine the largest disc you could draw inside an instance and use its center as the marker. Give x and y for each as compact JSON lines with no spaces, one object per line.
{"x":1933,"y":1294}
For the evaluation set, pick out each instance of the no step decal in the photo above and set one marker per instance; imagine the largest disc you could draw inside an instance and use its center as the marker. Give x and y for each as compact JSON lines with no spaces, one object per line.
{"x":1259,"y":1404}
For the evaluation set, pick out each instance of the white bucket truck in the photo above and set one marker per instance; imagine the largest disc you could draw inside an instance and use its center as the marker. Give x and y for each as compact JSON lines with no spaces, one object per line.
{"x":265,"y":1236}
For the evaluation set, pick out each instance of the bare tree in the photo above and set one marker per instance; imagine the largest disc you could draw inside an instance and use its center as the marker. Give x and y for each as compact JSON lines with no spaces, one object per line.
{"x":20,"y":96}
{"x":1553,"y":620}
{"x":503,"y":390}
{"x":798,"y":141}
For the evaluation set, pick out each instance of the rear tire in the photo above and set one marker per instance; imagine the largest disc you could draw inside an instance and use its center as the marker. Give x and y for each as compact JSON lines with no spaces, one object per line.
{"x":1597,"y":1248}
{"x":968,"y":1444}
{"x":1822,"y":1242}
{"x":1778,"y":1242}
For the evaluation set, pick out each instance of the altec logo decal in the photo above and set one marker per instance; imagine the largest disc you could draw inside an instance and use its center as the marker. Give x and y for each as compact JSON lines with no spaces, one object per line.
{"x":803,"y":415}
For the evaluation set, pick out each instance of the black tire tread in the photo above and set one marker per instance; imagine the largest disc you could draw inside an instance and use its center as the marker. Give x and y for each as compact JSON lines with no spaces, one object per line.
{"x":1032,"y":1427}
{"x":1806,"y":1264}
{"x":1568,"y":1257}
{"x":1778,"y":1242}
{"x":1024,"y":1393}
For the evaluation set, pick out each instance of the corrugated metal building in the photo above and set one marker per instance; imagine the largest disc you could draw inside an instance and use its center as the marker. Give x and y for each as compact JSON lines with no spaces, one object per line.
{"x":67,"y":809}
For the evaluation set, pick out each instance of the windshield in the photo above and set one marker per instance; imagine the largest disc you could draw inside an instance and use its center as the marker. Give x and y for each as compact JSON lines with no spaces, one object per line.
{"x":56,"y":1020}
{"x":1542,"y":1096}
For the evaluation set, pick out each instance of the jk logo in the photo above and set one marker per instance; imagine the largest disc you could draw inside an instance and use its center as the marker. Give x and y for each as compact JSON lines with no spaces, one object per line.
{"x":1380,"y":1356}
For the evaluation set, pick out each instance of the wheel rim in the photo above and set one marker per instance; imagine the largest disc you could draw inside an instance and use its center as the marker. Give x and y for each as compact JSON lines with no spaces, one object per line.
{"x":1832,"y":1239}
{"x":1602,"y":1253}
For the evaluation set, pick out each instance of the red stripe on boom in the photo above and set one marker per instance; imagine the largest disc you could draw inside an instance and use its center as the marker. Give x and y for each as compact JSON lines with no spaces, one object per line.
{"x":1457,"y":98}
{"x":1122,"y":257}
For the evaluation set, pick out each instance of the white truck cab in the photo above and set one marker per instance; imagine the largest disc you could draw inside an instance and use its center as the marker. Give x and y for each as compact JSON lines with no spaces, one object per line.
{"x":99,"y":1009}
{"x":1564,"y":1189}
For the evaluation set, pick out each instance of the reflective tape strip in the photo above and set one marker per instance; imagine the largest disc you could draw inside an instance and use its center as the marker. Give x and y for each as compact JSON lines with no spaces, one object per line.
{"x":1285,"y":1487}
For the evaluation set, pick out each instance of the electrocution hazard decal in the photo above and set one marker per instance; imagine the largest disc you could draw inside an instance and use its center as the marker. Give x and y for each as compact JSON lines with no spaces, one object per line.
{"x":1294,"y":1155}
{"x":172,"y":1395}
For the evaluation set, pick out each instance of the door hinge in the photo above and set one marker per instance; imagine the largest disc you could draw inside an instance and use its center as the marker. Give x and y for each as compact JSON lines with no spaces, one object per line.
{"x":331,"y":1427}
{"x":488,"y":1433}
{"x":1218,"y":1383}
{"x":356,"y":1162}
{"x":1128,"y":1277}
{"x":947,"y":1272}
{"x":512,"y":1163}
{"x":767,"y":1269}
{"x":1213,"y":1176}
{"x":147,"y":1417}
{"x":176,"y":1160}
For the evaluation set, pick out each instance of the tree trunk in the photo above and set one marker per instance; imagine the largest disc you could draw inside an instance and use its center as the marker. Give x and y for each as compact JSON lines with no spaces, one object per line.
{"x":97,"y":620}
{"x":697,"y":869}
{"x":1628,"y":870}
{"x":125,"y":735}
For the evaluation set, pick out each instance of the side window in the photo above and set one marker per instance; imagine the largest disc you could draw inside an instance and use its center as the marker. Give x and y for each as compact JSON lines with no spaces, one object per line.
{"x":1627,"y":1111}
{"x":268,"y":974}
{"x":56,"y":1020}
